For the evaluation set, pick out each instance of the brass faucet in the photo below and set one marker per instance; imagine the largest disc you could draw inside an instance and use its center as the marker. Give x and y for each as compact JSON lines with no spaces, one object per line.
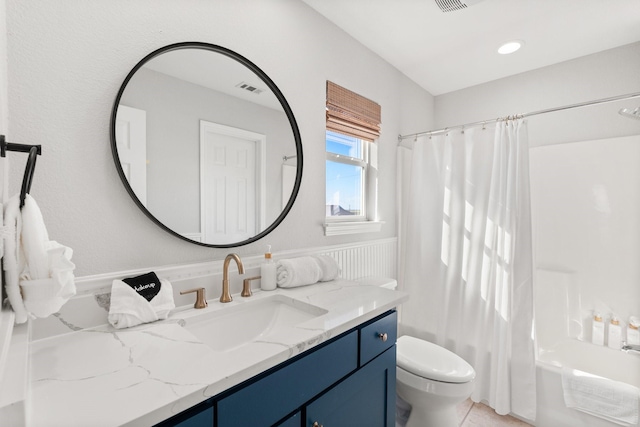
{"x":246,"y":286}
{"x":201,"y":299}
{"x":226,"y":296}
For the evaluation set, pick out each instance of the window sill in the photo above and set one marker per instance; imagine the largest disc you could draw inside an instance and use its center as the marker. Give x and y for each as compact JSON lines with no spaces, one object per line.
{"x":351,"y":227}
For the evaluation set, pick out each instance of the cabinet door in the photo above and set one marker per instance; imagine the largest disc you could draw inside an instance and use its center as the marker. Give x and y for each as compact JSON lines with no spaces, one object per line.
{"x":285,"y":390}
{"x":366,"y":398}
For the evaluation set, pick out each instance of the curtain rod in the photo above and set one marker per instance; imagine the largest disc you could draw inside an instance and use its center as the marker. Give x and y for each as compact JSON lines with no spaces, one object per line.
{"x":533,"y":113}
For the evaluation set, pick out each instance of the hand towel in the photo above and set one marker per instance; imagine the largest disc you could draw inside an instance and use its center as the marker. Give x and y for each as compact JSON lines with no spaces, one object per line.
{"x":144,"y":299}
{"x":601,"y":397}
{"x":13,"y":262}
{"x":47,"y":281}
{"x":298,"y":272}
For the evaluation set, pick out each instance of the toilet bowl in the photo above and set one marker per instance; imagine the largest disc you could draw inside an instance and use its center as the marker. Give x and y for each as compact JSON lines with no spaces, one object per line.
{"x":430,"y":378}
{"x":433,"y":380}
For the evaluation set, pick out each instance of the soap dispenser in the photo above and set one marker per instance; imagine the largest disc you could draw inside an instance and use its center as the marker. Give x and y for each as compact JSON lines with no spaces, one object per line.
{"x":615,"y":333}
{"x":268,"y":272}
{"x":597,"y":330}
{"x":633,"y":334}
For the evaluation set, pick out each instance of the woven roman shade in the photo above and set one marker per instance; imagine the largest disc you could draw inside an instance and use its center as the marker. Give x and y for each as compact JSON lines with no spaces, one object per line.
{"x":352,"y":114}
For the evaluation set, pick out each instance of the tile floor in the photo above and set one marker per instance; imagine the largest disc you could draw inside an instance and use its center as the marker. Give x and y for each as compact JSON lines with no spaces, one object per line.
{"x":472,"y":414}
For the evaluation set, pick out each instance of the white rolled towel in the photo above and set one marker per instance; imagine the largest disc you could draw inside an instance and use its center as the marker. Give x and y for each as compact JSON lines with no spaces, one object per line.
{"x":329,"y":267}
{"x":306,"y":270}
{"x":129,"y":307}
{"x":298,"y":272}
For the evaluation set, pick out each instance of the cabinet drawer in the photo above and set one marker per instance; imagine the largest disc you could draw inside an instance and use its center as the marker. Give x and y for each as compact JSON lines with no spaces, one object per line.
{"x":265,"y":401}
{"x":377,"y":337}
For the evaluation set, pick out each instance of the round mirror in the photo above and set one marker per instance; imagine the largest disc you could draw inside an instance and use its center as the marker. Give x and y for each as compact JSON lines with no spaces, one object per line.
{"x":206,"y":145}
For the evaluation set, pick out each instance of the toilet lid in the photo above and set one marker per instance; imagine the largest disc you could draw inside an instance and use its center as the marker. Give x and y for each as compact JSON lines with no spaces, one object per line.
{"x":431,"y":361}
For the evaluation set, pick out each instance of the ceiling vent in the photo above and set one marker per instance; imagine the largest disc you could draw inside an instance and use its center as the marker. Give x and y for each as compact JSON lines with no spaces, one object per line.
{"x":249,"y":88}
{"x":452,"y":5}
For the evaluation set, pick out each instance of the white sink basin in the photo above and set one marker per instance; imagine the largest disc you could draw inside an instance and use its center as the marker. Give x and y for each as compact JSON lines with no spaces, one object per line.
{"x":231,"y":327}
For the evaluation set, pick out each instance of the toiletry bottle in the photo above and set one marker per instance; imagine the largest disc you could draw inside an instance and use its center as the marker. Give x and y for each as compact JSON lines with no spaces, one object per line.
{"x":615,"y":333}
{"x":268,"y":272}
{"x":633,"y":334}
{"x":597,"y":334}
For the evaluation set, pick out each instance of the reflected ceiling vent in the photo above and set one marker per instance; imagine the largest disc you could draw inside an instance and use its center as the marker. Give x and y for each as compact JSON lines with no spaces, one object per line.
{"x":452,"y":5}
{"x":250,"y":88}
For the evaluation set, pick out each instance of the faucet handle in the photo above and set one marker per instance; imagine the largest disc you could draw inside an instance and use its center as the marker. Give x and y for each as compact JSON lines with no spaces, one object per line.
{"x":201,"y":299}
{"x":246,"y":286}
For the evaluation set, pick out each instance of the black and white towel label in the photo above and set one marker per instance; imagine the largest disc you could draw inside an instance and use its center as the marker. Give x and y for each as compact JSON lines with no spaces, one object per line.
{"x":147,"y":285}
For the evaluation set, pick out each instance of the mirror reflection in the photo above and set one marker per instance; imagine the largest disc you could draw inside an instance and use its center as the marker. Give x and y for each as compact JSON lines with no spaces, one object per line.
{"x":206,"y":145}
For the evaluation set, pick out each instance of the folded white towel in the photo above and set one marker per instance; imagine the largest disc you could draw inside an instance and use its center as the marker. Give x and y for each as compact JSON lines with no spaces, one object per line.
{"x":129,"y":308}
{"x":614,"y":401}
{"x":38,"y":271}
{"x":306,"y":270}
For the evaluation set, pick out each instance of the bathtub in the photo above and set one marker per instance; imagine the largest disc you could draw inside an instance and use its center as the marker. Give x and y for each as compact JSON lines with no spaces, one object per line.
{"x":583,"y":356}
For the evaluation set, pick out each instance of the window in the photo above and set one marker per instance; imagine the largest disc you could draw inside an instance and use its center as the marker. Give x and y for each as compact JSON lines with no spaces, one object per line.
{"x":353,"y":126}
{"x":346,"y":175}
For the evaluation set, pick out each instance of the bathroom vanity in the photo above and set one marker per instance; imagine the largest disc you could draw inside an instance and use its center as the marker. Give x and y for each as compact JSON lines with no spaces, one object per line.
{"x":332,"y":365}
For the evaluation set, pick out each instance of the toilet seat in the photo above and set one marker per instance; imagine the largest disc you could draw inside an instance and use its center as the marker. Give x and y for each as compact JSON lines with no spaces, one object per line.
{"x":430,"y":361}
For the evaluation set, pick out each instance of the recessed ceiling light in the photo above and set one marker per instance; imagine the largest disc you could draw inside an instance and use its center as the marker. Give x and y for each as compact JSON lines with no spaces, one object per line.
{"x":510,"y":47}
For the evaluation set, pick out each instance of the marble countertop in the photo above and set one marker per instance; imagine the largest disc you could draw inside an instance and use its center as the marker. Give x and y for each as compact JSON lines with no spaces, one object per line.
{"x":142,"y":375}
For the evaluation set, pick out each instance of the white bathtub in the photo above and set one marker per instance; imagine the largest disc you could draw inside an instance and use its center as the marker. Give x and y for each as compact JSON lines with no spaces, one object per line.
{"x":583,"y":356}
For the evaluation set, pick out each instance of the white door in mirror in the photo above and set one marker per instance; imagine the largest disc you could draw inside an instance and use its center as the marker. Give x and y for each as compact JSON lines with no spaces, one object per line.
{"x":131,"y":134}
{"x":229,"y":180}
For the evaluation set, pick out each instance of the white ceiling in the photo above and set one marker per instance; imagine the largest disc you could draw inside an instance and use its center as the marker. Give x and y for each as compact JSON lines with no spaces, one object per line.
{"x":448,"y":51}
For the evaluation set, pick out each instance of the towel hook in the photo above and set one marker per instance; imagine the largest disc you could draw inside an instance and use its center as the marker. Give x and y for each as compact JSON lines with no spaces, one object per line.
{"x":28,"y":174}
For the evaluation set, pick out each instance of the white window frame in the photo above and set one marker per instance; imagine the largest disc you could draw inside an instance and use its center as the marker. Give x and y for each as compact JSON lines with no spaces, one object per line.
{"x":367,"y":220}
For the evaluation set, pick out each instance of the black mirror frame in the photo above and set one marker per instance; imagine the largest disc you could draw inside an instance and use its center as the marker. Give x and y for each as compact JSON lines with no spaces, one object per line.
{"x":285,"y":105}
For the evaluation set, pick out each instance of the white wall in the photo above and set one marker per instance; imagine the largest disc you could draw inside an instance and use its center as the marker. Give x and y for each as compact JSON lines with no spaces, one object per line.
{"x":601,"y":75}
{"x":3,"y":70}
{"x":67,"y":60}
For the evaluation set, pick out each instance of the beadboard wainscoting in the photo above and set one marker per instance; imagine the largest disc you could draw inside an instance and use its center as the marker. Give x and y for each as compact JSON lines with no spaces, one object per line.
{"x":89,"y":308}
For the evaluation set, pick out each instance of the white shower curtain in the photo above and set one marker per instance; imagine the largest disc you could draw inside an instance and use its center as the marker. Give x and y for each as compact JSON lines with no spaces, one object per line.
{"x":466,"y":257}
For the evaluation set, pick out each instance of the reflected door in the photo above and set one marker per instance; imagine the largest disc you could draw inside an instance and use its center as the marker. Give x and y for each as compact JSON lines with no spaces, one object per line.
{"x":131,"y":135}
{"x":229,"y":177}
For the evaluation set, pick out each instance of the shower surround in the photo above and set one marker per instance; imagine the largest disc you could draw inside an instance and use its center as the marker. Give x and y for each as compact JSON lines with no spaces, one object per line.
{"x":585,"y":200}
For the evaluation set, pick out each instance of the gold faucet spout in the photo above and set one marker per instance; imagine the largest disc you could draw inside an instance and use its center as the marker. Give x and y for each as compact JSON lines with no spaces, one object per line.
{"x":226,"y":295}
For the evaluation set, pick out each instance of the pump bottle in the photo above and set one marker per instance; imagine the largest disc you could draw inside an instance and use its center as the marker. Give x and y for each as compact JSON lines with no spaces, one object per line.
{"x":268,"y":272}
{"x":597,"y":330}
{"x":633,"y":334}
{"x":615,"y":333}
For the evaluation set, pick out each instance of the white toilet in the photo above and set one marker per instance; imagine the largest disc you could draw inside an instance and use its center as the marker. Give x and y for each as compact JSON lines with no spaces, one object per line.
{"x":430,"y":378}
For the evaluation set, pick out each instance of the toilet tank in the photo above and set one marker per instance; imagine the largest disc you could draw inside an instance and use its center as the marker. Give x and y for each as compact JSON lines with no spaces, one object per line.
{"x":383,"y":282}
